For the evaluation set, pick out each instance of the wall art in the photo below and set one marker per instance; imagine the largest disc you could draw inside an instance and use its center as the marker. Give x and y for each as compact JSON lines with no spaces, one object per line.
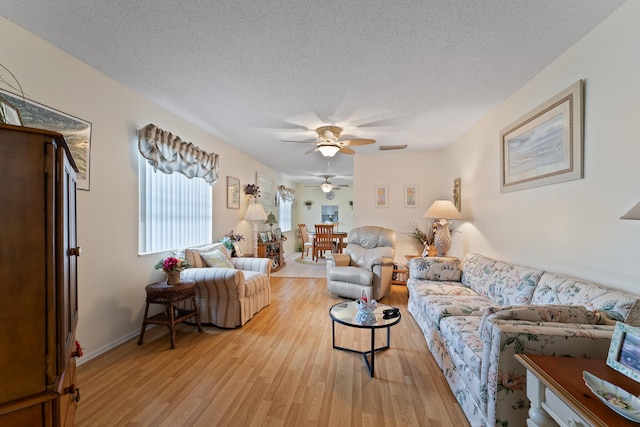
{"x":545,"y":146}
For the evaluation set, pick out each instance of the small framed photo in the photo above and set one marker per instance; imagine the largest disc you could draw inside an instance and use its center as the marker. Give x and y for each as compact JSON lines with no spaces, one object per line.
{"x":624,"y":351}
{"x":382,"y":196}
{"x":410,"y":196}
{"x":263,"y":237}
{"x":278,"y":234}
{"x":269,"y":236}
{"x":238,"y":249}
{"x":233,"y":193}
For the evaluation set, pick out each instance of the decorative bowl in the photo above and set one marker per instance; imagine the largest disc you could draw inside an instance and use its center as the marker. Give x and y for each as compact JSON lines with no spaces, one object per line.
{"x":616,"y":398}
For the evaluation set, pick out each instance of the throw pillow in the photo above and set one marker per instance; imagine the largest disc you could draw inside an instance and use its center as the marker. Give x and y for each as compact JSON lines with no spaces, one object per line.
{"x":216,"y":259}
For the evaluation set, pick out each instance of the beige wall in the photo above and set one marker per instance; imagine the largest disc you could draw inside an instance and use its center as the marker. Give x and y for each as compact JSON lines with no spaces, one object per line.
{"x":571,"y":228}
{"x":111,"y":274}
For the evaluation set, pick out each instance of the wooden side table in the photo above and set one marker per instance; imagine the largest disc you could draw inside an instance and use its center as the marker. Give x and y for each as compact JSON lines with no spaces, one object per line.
{"x":401,"y":275}
{"x":559,"y":395}
{"x":169,"y":295}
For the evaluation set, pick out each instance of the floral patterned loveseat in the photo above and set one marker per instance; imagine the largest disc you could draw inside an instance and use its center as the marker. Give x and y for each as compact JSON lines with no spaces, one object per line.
{"x":478,"y":312}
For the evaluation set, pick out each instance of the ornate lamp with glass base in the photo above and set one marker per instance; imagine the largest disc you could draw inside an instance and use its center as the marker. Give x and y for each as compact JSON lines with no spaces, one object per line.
{"x":441,"y":211}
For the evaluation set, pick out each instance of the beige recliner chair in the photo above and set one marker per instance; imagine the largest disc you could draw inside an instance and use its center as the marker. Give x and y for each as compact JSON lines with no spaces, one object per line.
{"x":366,"y":264}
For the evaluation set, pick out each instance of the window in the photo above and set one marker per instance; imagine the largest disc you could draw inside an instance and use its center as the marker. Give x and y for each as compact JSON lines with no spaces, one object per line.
{"x":175,"y":211}
{"x":284,"y":220}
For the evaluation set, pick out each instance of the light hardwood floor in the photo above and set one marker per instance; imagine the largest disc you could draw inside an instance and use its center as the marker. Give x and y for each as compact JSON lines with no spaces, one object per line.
{"x":279,"y":369}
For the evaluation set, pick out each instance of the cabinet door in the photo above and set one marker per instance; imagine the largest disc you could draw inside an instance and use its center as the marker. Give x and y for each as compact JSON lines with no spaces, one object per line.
{"x":68,"y":252}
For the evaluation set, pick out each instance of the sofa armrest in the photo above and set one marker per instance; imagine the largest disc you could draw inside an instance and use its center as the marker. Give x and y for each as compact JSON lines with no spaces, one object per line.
{"x":223,"y":281}
{"x":505,"y":378}
{"x":338,"y":260}
{"x":542,"y":313}
{"x":261,"y":265}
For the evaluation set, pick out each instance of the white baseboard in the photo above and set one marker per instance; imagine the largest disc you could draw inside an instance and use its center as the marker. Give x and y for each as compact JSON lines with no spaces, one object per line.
{"x":97,"y":352}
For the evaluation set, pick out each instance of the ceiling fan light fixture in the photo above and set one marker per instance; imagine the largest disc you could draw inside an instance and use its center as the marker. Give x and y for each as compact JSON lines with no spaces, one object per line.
{"x":328,"y":150}
{"x":326,"y":187}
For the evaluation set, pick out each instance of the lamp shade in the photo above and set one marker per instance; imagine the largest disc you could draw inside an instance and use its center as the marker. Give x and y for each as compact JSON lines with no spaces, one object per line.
{"x":271,"y":219}
{"x":634,"y":212}
{"x":255,"y":212}
{"x":442,"y":209}
{"x":328,"y":150}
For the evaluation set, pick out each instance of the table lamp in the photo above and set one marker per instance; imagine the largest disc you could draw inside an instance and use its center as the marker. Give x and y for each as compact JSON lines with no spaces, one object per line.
{"x":271,"y":219}
{"x":441,"y":211}
{"x":255,"y":213}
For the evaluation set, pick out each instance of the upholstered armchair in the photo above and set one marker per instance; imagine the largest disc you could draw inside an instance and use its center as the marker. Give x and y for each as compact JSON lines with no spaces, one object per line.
{"x":229,"y":291}
{"x":366,"y":264}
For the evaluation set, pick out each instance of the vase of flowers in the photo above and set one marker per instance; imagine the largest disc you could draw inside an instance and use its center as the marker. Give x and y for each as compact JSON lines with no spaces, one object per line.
{"x":251,"y":191}
{"x":426,"y":238}
{"x":172,"y":266}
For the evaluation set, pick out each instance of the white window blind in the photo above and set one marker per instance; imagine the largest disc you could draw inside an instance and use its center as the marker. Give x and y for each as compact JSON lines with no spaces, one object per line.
{"x":284,"y":220}
{"x":175,"y":211}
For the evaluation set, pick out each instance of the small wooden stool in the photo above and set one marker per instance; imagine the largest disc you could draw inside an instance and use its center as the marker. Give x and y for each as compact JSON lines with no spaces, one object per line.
{"x":169,"y":295}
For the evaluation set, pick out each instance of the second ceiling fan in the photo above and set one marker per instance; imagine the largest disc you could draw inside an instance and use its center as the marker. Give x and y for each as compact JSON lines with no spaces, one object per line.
{"x":329,"y":145}
{"x":327,"y":186}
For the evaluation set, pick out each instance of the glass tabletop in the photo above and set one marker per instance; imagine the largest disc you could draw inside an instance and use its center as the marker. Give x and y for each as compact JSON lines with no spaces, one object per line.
{"x":345,"y":313}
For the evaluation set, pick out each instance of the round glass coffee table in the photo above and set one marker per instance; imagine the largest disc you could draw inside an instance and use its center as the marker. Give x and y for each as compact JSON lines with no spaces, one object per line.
{"x":345,"y":314}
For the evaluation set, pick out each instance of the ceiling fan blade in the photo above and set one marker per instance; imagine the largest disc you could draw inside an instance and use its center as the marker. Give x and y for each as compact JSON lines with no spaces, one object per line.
{"x":306,"y":141}
{"x":314,"y":149}
{"x":357,"y":141}
{"x":346,"y":150}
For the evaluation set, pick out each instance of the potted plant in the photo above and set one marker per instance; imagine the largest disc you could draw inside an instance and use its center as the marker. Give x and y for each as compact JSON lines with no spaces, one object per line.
{"x":308,"y":204}
{"x":426,"y":238}
{"x":172,"y":267}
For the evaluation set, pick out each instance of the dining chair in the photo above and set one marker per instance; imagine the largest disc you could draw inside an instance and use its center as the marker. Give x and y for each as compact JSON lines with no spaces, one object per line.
{"x":307,"y":244}
{"x":323,"y":240}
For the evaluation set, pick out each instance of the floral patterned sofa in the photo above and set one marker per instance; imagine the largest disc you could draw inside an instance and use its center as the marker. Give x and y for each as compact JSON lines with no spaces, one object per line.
{"x":478,"y":312}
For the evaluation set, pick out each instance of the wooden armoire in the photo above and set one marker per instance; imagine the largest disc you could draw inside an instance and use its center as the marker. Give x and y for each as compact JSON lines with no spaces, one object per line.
{"x":38,"y":279}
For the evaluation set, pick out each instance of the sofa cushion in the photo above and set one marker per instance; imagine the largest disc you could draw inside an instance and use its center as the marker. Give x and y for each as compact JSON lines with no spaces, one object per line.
{"x":461,"y":336}
{"x":425,"y":287}
{"x":511,"y":284}
{"x":216,"y":258}
{"x":436,"y":268}
{"x":617,"y":305}
{"x":357,"y":275}
{"x":476,"y":270}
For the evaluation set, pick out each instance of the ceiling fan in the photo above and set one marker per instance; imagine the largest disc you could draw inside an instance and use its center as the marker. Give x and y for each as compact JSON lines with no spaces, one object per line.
{"x":329,"y":145}
{"x":327,"y":186}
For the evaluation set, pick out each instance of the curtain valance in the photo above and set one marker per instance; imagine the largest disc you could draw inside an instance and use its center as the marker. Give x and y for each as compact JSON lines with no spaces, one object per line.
{"x":287,"y":194}
{"x":170,"y":154}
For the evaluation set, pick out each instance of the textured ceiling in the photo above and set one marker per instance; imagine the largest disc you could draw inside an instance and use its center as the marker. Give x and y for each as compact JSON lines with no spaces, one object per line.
{"x":252,"y":73}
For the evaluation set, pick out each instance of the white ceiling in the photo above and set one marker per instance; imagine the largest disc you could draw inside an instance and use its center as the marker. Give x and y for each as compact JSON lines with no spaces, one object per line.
{"x":252,"y":73}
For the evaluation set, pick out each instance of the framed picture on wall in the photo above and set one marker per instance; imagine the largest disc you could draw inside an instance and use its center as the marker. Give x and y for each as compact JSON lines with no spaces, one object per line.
{"x":410,"y":196}
{"x":233,"y":193}
{"x":544,"y":146}
{"x":267,"y":197}
{"x":77,"y":132}
{"x":381,"y":196}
